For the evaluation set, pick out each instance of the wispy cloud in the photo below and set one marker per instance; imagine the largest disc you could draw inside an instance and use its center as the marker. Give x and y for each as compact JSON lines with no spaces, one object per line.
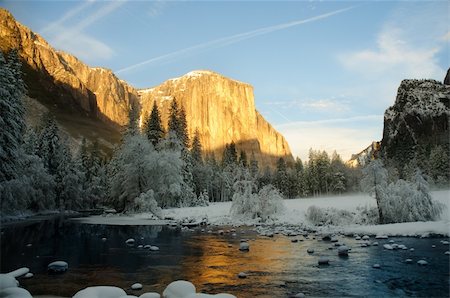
{"x":323,"y":105}
{"x":402,"y":50}
{"x":83,"y":46}
{"x":73,"y":39}
{"x":221,"y":42}
{"x":66,"y":17}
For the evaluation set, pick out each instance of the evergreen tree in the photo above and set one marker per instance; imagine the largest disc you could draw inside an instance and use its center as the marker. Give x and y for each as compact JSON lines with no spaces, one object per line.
{"x":281,"y":177}
{"x":174,"y":121}
{"x":254,"y":168}
{"x":243,"y":159}
{"x":229,"y":155}
{"x":12,"y":123}
{"x":49,"y":145}
{"x":439,"y":165}
{"x":133,"y":120}
{"x":182,"y":132}
{"x":153,"y":128}
{"x":196,"y":150}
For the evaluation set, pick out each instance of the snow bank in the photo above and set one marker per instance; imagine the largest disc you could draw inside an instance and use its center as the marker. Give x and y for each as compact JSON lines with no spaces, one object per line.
{"x":121,"y":220}
{"x":100,"y":292}
{"x":294,"y":214}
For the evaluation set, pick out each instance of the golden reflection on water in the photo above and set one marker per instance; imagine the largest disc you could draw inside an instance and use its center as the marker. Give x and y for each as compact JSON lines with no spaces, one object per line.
{"x":216,"y":266}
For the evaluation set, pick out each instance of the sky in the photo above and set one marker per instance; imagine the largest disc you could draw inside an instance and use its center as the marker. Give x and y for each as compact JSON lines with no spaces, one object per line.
{"x":323,"y":72}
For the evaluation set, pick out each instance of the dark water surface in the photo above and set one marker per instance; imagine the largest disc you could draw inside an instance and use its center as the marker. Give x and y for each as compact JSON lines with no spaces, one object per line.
{"x":276,"y":267}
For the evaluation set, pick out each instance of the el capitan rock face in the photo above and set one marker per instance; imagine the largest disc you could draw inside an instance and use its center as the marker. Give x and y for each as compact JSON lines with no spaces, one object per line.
{"x":222,"y":109}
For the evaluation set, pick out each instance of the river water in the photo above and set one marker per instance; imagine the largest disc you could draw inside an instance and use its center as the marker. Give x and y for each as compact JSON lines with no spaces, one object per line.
{"x":276,"y":267}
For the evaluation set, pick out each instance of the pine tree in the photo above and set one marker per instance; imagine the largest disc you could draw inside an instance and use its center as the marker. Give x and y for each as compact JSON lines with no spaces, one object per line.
{"x":133,"y":120}
{"x":243,"y":159}
{"x":196,"y":150}
{"x":254,"y":168}
{"x":281,"y":177}
{"x":49,"y":144}
{"x":153,"y":128}
{"x":183,"y":133}
{"x":229,"y":157}
{"x":12,"y":112}
{"x":174,"y":122}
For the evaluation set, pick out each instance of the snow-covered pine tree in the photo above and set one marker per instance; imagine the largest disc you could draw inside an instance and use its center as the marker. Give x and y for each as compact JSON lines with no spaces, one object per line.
{"x":182,"y":132}
{"x":254,"y":168}
{"x":229,"y":157}
{"x":153,"y":128}
{"x":174,"y":120}
{"x":281,"y":177}
{"x":196,"y":150}
{"x":49,"y":144}
{"x":12,"y":111}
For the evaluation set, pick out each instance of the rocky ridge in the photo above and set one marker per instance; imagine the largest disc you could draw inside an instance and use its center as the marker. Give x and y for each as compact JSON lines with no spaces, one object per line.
{"x":221,"y":108}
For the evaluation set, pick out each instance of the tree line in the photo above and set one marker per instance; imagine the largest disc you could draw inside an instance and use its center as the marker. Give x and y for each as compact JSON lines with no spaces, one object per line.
{"x":151,"y":168}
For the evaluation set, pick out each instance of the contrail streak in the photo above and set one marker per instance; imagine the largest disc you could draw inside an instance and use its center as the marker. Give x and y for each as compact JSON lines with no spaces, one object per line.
{"x":224,"y":41}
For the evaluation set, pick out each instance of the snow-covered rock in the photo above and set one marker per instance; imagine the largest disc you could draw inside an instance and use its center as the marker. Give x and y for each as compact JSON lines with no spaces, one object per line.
{"x":447,"y":252}
{"x":7,"y":281}
{"x":375,"y":244}
{"x":381,"y":237}
{"x":130,"y":241}
{"x":15,"y":292}
{"x":411,"y":249}
{"x":202,"y":295}
{"x":388,"y":247}
{"x":100,"y":292}
{"x":154,"y":248}
{"x":136,"y":286}
{"x":343,"y":250}
{"x":310,"y":250}
{"x":422,"y":262}
{"x":179,"y":289}
{"x":28,"y":275}
{"x":19,"y":272}
{"x":408,"y":261}
{"x":365,"y":237}
{"x":376,"y":266}
{"x":150,"y":295}
{"x":244,"y":246}
{"x":58,"y":267}
{"x":323,"y":261}
{"x":242,"y":275}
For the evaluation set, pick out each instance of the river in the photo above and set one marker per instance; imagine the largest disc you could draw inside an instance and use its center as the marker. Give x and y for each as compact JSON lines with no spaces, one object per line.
{"x":275,"y":267}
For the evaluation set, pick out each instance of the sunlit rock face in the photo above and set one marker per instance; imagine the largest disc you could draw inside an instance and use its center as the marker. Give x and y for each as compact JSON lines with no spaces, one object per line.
{"x":97,"y":91}
{"x":222,"y":109}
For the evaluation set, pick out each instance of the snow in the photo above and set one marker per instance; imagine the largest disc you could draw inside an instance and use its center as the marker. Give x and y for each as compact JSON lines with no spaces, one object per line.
{"x":19,"y":272}
{"x":150,"y":295}
{"x":58,"y":266}
{"x":8,"y":281}
{"x":15,"y":293}
{"x":100,"y":292}
{"x":293,"y":214}
{"x":179,"y":289}
{"x":136,"y":286}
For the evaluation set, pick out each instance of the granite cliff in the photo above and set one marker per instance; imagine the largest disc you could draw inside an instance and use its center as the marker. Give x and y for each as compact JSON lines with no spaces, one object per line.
{"x":418,"y":121}
{"x":222,"y":109}
{"x":92,"y":102}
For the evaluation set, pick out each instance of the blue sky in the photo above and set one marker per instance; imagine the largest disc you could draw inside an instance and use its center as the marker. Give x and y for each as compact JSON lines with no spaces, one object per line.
{"x":323,"y":72}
